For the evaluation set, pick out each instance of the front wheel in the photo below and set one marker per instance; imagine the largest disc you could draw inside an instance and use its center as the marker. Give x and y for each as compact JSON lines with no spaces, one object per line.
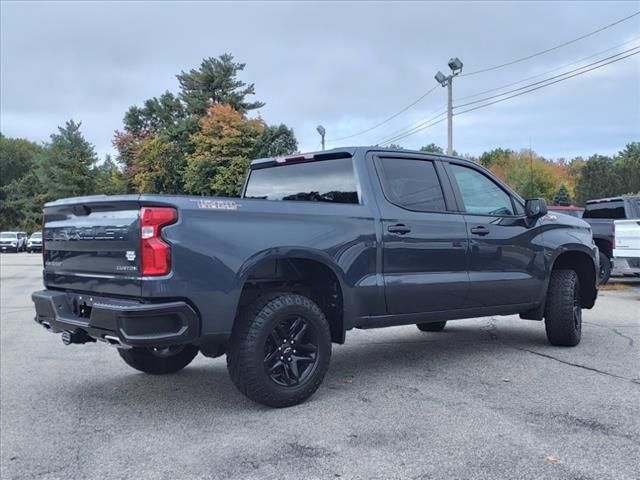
{"x":605,"y":269}
{"x":279,"y":350}
{"x":161,"y":360}
{"x":563,"y":312}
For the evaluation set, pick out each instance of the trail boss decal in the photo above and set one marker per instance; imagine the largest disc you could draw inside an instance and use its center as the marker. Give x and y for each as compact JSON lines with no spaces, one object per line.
{"x":217,"y":204}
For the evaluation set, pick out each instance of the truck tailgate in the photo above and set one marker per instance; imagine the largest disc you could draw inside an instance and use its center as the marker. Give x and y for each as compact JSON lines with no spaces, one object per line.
{"x":627,"y":234}
{"x":92,"y":244}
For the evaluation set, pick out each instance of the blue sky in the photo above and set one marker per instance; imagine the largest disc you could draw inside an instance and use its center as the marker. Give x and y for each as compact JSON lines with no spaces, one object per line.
{"x":345,"y":65}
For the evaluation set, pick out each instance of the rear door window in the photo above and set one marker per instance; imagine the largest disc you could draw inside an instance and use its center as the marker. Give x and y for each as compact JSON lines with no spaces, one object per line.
{"x":332,"y":181}
{"x":412,"y":184}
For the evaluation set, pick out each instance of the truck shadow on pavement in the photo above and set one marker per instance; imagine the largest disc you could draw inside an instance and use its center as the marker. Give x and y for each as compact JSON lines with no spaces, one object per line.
{"x":368,"y":359}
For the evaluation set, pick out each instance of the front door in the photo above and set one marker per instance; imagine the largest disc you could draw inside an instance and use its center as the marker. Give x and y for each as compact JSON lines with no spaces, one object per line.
{"x":506,"y":266}
{"x":424,"y":242}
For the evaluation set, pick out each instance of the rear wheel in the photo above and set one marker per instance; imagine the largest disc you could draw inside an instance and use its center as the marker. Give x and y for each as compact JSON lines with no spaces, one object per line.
{"x":431,"y":327}
{"x":159,"y":361}
{"x":563,"y":312}
{"x":280,"y":349}
{"x":605,"y":269}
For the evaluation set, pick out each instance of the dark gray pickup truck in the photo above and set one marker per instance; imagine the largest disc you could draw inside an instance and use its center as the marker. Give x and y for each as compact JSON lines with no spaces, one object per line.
{"x":317,"y":244}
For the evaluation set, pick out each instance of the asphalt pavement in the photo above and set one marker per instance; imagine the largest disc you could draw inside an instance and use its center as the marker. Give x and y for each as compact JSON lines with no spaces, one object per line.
{"x":486,"y":398}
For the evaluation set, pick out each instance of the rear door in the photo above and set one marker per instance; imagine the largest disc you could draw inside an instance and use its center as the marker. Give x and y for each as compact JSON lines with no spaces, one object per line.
{"x":424,"y":241}
{"x":92,"y":244}
{"x":507,"y":264}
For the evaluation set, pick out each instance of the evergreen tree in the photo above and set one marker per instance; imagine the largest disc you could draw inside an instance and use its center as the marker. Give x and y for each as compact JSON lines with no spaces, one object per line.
{"x":562,"y":196}
{"x":66,"y":166}
{"x":216,"y":82}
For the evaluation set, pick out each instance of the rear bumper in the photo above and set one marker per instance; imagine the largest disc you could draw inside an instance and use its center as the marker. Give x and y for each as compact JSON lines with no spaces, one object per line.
{"x":116,"y":321}
{"x":623,"y":265}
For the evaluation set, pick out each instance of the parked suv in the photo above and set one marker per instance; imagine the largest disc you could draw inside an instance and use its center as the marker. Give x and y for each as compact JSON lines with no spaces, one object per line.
{"x":601,"y":214}
{"x":35,"y":242}
{"x":317,"y":245}
{"x":13,"y":241}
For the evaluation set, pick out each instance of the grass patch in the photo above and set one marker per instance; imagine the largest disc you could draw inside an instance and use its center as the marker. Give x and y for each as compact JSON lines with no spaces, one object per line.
{"x":615,"y":286}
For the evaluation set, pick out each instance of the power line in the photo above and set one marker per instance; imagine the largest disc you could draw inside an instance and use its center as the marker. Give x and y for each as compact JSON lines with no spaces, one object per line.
{"x":549,"y":78}
{"x":385,"y":120}
{"x":406,"y":128}
{"x":432,"y":121}
{"x":548,"y":71}
{"x":418,"y":128}
{"x":528,"y":57}
{"x":548,"y":84}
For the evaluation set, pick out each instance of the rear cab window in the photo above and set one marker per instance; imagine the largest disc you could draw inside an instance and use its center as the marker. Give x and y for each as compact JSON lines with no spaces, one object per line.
{"x":331,"y":181}
{"x":613,"y":209}
{"x":412,"y":184}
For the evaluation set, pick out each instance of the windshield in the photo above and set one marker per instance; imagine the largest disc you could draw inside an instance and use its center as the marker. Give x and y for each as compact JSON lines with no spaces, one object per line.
{"x":36,"y":235}
{"x":8,"y":235}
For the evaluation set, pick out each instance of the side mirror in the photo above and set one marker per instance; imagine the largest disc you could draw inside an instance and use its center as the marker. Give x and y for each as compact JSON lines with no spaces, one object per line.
{"x":535,"y":207}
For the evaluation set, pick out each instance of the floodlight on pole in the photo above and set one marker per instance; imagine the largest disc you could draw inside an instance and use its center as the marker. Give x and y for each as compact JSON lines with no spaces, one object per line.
{"x":455,"y":64}
{"x":322,"y":133}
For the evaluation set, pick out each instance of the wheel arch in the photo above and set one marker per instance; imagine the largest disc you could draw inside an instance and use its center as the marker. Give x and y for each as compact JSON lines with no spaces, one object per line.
{"x":306,"y":271}
{"x":583,"y":264}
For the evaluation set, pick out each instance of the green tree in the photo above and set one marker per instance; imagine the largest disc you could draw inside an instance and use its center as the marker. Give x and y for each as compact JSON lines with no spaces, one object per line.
{"x":109,"y":179}
{"x":66,"y":166}
{"x":562,"y":196}
{"x":216,"y":82}
{"x":395,"y":146}
{"x":158,"y":167}
{"x":627,"y":169}
{"x":229,"y":177}
{"x":275,"y":141}
{"x":432,"y":148}
{"x":20,"y":190}
{"x":597,"y":179}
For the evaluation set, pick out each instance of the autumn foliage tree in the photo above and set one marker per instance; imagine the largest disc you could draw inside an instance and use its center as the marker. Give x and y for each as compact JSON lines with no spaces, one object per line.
{"x":223,"y":147}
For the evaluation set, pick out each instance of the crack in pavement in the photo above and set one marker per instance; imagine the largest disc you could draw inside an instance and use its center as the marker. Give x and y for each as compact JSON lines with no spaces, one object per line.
{"x":591,"y":369}
{"x":492,"y":329}
{"x":629,"y":339}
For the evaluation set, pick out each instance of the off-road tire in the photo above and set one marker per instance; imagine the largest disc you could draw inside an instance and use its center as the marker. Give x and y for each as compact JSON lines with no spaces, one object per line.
{"x":246,"y":349}
{"x":605,"y":269}
{"x":148,"y":361}
{"x":431,"y":327}
{"x":563,"y":313}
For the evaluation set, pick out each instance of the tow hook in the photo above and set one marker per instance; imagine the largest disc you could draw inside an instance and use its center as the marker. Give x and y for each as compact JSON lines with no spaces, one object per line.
{"x":76,"y":337}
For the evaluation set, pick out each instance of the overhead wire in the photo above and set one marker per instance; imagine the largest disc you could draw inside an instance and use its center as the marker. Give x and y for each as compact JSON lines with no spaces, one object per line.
{"x":556,"y":47}
{"x":548,"y":84}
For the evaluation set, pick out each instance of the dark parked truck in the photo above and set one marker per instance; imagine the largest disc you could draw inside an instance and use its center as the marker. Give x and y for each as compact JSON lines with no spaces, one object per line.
{"x":317,"y":245}
{"x":602,"y":214}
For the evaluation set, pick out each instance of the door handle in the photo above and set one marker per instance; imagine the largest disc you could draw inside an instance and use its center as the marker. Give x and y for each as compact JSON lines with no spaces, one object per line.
{"x":480,"y":231}
{"x":400,"y":228}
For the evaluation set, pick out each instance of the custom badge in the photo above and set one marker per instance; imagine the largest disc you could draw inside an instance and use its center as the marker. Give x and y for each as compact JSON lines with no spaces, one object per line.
{"x":131,"y":255}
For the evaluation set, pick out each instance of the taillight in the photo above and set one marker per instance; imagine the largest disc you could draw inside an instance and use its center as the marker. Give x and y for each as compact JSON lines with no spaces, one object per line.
{"x":155,"y":253}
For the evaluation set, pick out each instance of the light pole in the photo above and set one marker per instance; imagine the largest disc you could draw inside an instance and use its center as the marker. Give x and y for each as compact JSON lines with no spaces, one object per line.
{"x":322,"y":132}
{"x":447,"y":81}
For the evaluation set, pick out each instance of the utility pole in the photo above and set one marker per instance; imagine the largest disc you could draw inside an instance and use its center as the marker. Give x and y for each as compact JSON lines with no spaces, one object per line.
{"x":322,"y":133}
{"x":447,"y":81}
{"x":450,"y":116}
